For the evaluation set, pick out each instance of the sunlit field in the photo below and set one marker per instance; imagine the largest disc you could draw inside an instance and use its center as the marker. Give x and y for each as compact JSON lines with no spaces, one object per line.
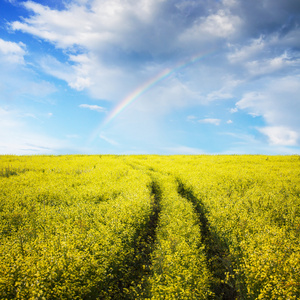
{"x":150,"y":227}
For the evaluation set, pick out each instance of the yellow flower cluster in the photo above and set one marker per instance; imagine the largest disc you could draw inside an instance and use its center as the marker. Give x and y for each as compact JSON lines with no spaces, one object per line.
{"x":252,"y":206}
{"x":149,"y":227}
{"x":179,"y":264}
{"x":69,"y":227}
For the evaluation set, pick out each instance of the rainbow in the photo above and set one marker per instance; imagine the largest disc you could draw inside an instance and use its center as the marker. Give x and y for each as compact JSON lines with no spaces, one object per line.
{"x":142,"y":89}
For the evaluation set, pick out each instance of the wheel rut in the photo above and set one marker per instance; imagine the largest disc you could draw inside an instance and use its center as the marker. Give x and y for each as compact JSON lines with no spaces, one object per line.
{"x":216,"y":251}
{"x":140,"y":265}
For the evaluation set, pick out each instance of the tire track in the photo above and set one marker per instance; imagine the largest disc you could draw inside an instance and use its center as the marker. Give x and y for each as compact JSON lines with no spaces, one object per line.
{"x":140,"y":265}
{"x":216,"y":251}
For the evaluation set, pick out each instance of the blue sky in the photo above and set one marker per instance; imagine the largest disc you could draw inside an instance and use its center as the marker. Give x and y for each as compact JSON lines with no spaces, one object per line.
{"x":66,"y":67}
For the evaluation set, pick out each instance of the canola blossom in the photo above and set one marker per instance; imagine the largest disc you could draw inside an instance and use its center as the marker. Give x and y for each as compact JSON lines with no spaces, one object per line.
{"x":149,"y":227}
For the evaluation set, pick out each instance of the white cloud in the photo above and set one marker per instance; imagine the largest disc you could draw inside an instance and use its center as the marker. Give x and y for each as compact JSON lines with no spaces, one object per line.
{"x":208,"y":30}
{"x":64,"y":28}
{"x":107,"y":32}
{"x":269,"y":65}
{"x":229,"y":122}
{"x":16,"y":137}
{"x":278,"y":102}
{"x":279,"y":135}
{"x":265,"y":55}
{"x":75,"y":75}
{"x":210,"y":121}
{"x":169,"y":94}
{"x":17,"y":78}
{"x":222,"y":24}
{"x":104,"y":23}
{"x":239,"y":54}
{"x":93,"y":107}
{"x":247,"y":144}
{"x":230,"y":3}
{"x":219,"y":95}
{"x":108,"y":140}
{"x":12,"y":52}
{"x":115,"y":46}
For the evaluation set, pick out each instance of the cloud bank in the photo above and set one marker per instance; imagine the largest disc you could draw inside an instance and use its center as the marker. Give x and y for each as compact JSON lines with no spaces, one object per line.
{"x":111,"y":47}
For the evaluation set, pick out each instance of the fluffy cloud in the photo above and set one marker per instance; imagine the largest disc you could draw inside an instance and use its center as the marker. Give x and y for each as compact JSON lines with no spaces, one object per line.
{"x":240,"y":54}
{"x":112,"y":47}
{"x":278,"y":103}
{"x":93,"y":107}
{"x":210,"y":121}
{"x":76,"y":75}
{"x":101,"y":37}
{"x":98,"y":24}
{"x":12,"y":52}
{"x":207,"y":30}
{"x":279,"y":135}
{"x":271,"y":65}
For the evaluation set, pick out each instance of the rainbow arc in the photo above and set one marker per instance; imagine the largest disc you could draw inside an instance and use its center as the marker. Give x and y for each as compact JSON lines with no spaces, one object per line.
{"x":144,"y":87}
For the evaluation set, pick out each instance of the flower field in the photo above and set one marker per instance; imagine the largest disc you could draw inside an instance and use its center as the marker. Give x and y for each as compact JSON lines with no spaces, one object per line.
{"x":149,"y":227}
